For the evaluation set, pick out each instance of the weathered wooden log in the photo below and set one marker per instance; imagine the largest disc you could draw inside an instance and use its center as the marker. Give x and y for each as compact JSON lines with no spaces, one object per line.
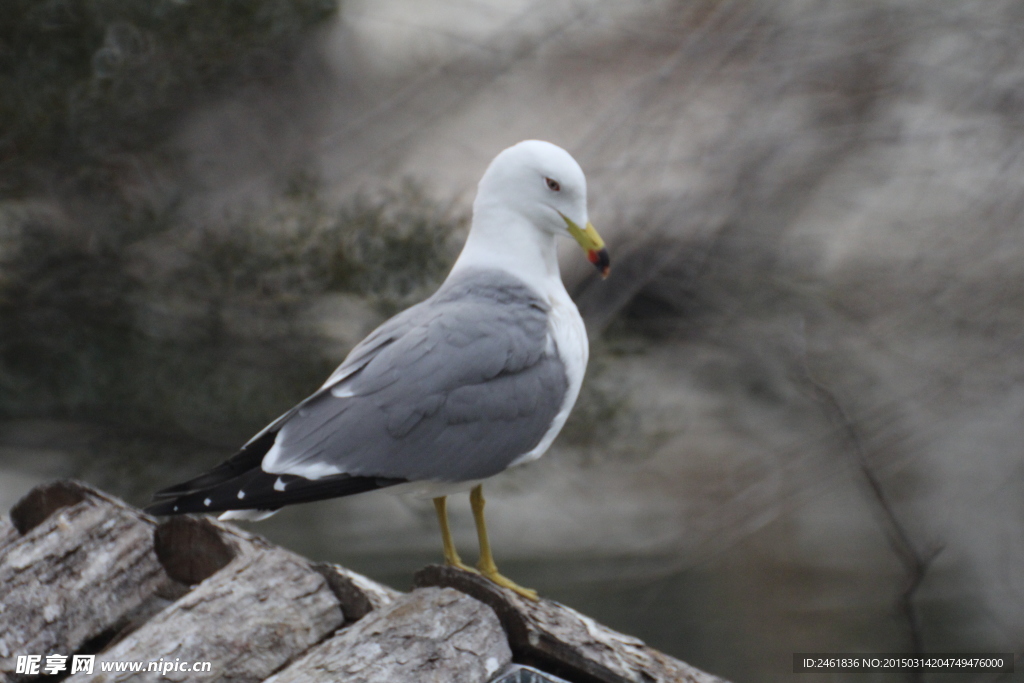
{"x":81,"y":572}
{"x":430,"y":635}
{"x":82,"y":567}
{"x":357,"y":594}
{"x":44,"y":500}
{"x":558,"y":639}
{"x":247,"y":617}
{"x":136,"y":568}
{"x":8,"y":535}
{"x":194,"y":548}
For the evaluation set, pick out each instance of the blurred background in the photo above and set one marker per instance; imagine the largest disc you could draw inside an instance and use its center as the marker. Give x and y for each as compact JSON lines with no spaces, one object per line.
{"x":802,"y":424}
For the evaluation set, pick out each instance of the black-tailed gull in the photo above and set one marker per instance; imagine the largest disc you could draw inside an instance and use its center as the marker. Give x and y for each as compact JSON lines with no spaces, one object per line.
{"x":478,"y":378}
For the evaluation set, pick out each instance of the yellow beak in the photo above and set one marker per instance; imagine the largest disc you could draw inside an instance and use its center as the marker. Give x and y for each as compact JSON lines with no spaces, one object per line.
{"x":592,"y":244}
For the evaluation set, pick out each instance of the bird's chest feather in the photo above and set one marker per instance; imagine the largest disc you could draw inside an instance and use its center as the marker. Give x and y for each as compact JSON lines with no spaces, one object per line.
{"x":568,"y":334}
{"x":567,"y":337}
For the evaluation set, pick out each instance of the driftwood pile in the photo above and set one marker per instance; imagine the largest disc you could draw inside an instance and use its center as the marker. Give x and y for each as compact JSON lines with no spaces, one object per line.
{"x":83,"y":573}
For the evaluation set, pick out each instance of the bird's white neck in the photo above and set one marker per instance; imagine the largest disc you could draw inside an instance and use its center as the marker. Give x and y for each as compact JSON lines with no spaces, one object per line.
{"x":507,"y":241}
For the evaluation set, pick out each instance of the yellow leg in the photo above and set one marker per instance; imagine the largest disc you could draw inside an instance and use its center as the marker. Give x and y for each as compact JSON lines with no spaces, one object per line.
{"x":451,"y":555}
{"x":486,"y":563}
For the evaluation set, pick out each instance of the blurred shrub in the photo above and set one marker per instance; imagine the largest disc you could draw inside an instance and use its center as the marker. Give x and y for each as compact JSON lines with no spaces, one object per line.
{"x":198,"y":328}
{"x":64,"y":307}
{"x":113,"y":307}
{"x":83,"y":79}
{"x":395,"y":251}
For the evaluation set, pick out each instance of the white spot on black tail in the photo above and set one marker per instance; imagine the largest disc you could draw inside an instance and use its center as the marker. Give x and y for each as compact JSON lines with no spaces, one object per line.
{"x":241,"y":495}
{"x":247,"y":515}
{"x":279,"y":484}
{"x":207,"y":502}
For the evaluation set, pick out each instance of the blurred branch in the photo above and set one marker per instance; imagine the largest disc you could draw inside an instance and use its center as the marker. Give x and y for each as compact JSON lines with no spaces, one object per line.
{"x":389,"y":125}
{"x":637,"y":268}
{"x":915,"y":562}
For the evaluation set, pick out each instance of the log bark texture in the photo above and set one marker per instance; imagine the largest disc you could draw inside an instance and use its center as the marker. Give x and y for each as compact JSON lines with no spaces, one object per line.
{"x":80,"y":570}
{"x":82,"y":573}
{"x":248,"y":619}
{"x":560,"y":640}
{"x":8,"y":535}
{"x":432,"y":635}
{"x":357,"y":594}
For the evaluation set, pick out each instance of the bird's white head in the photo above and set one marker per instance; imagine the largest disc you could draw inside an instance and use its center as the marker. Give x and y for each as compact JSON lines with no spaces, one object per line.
{"x":542,"y":183}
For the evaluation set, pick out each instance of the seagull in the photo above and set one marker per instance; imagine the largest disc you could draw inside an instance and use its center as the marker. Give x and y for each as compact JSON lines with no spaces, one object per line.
{"x":474,"y":380}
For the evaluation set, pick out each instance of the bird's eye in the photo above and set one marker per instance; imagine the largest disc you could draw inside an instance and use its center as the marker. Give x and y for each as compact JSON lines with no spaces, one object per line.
{"x":553,"y":185}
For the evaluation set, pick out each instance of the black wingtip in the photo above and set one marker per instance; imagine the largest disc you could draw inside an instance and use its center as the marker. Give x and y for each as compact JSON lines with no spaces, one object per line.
{"x":238,"y":464}
{"x":162,"y":508}
{"x":259,"y":490}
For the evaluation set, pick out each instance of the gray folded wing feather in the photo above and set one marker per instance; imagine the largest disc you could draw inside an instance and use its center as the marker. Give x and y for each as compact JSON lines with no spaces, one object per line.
{"x":453,"y":389}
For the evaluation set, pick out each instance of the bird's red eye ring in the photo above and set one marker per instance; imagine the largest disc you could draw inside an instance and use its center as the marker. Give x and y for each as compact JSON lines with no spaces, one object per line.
{"x":553,"y":185}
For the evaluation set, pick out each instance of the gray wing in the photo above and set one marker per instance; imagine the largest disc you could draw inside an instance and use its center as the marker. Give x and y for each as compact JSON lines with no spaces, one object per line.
{"x":453,"y":389}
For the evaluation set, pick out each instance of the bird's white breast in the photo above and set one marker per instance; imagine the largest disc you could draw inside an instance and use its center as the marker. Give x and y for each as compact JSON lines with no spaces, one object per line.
{"x":567,"y":336}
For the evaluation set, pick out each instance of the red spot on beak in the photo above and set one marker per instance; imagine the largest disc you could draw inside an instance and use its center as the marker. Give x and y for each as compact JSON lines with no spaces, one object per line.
{"x":601,"y":260}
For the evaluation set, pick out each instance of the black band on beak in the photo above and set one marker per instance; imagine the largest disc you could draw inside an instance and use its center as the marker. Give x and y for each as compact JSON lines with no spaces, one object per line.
{"x":601,"y":261}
